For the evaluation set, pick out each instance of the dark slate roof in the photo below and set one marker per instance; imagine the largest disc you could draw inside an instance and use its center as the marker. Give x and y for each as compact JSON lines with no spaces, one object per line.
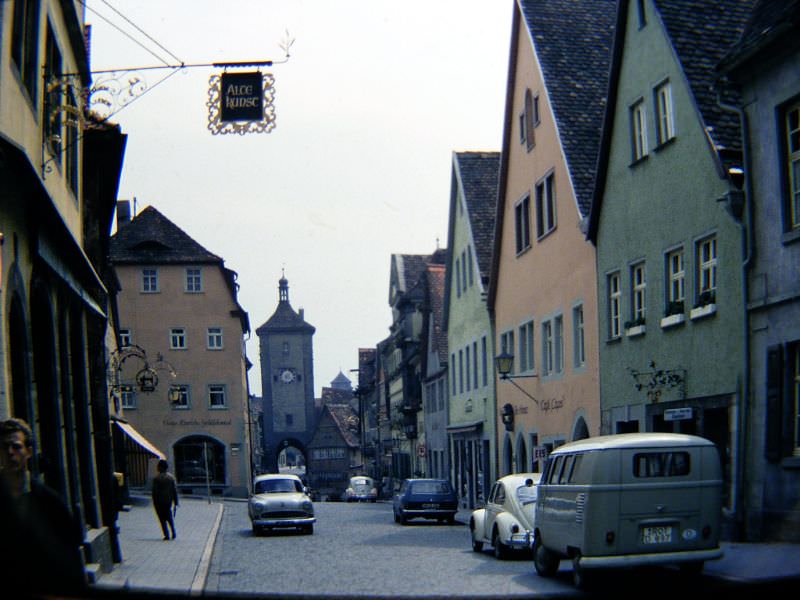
{"x":479,"y":173}
{"x":436,"y":277}
{"x":769,"y":21}
{"x":151,"y":238}
{"x":573,"y":39}
{"x":701,"y":33}
{"x":346,"y":421}
{"x":285,"y":319}
{"x":412,"y":266}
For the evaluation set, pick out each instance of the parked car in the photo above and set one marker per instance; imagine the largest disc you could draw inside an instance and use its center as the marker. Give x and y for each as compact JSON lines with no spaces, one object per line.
{"x":361,"y":489}
{"x":507,"y":521}
{"x":629,"y":500}
{"x":280,"y":501}
{"x":425,"y":498}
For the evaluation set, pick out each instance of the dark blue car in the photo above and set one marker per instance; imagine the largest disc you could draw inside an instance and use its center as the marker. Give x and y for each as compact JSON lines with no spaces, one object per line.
{"x":425,"y":498}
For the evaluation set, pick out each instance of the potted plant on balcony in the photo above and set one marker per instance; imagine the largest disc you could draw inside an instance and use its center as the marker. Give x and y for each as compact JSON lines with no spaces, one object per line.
{"x":673,"y":314}
{"x":635,"y":327}
{"x":706,"y":305}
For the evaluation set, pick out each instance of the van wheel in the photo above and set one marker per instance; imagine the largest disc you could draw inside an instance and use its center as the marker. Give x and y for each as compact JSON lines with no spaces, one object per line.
{"x":546,"y":562}
{"x":580,"y":577}
{"x":500,"y":549}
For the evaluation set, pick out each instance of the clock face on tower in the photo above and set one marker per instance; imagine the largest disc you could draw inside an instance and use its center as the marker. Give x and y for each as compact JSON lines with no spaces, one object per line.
{"x":287,"y":376}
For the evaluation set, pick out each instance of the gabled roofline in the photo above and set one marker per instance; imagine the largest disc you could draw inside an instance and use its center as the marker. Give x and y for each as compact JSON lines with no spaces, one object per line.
{"x":455,"y":182}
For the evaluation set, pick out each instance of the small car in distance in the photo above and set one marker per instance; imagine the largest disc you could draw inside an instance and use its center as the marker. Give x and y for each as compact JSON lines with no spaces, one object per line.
{"x":280,"y":501}
{"x":361,"y":489}
{"x":425,"y":498}
{"x":507,"y":520}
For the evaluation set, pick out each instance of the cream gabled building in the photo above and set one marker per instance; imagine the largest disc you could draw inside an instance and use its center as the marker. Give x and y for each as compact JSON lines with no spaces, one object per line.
{"x":178,"y":306}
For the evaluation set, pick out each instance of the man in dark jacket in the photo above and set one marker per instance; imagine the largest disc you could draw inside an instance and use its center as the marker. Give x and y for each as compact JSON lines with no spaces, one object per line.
{"x":46,"y":536}
{"x":165,"y":494}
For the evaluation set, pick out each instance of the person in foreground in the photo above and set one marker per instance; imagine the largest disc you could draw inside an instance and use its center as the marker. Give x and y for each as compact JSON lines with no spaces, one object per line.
{"x":165,"y":494}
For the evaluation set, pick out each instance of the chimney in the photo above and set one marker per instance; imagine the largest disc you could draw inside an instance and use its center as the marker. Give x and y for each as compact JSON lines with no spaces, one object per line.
{"x":123,"y":213}
{"x":302,"y":313}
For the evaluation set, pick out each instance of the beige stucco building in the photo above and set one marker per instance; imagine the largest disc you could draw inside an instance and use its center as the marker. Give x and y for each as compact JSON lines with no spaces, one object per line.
{"x":543,"y":288}
{"x":178,"y":307}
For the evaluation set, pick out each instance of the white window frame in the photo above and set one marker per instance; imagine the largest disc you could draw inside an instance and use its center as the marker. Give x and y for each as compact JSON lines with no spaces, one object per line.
{"x":638,"y":291}
{"x":177,"y":338}
{"x":193,"y":280}
{"x":558,"y":338}
{"x":676,"y":275}
{"x":125,"y":338}
{"x":638,"y":114}
{"x":793,"y":163}
{"x":458,"y":277}
{"x":527,"y":354}
{"x":522,"y":224}
{"x":614,"y":305}
{"x":530,"y":137}
{"x":217,"y":390}
{"x":706,"y":251}
{"x":546,"y":214}
{"x":468,"y":378}
{"x":578,"y":337}
{"x":150,"y":281}
{"x":183,"y":395}
{"x":214,"y":338}
{"x":484,"y":361}
{"x":475,"y":365}
{"x":548,"y":349}
{"x":127,"y":395}
{"x":665,"y":121}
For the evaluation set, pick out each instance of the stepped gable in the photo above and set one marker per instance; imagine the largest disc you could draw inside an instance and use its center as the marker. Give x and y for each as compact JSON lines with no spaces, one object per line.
{"x":480,"y":174}
{"x":572,"y":40}
{"x":702,"y":33}
{"x":151,"y":238}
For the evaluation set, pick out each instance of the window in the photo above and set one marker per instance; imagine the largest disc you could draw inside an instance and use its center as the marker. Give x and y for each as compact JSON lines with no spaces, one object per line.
{"x":526,"y":353}
{"x":527,"y":122}
{"x":458,"y":277}
{"x":177,"y":338}
{"x":71,"y":141}
{"x":707,"y":270}
{"x":578,"y":338}
{"x":639,"y":291}
{"x":548,"y":350}
{"x":536,"y":116}
{"x":638,"y":131}
{"x":460,"y":371}
{"x":124,"y":338}
{"x":641,"y":12}
{"x":180,"y":393}
{"x":464,"y":270}
{"x":194,"y":280}
{"x":614,"y":306}
{"x":475,"y":365}
{"x":214,"y":338}
{"x":51,"y":117}
{"x":216,"y":396}
{"x":793,"y":164}
{"x":289,"y":419}
{"x":522,"y":222}
{"x":675,"y":276}
{"x":128,"y":397}
{"x":453,"y":371}
{"x":661,"y":464}
{"x":794,"y":365}
{"x":470,"y":267}
{"x":24,"y":44}
{"x":149,"y":281}
{"x":484,"y":362}
{"x":558,"y":339}
{"x":665,"y":127}
{"x":545,"y":206}
{"x":507,"y":345}
{"x":285,"y":348}
{"x":466,"y":356}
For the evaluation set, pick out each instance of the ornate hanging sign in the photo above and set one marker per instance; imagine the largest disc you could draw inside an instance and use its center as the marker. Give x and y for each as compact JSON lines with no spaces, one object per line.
{"x":241,"y":103}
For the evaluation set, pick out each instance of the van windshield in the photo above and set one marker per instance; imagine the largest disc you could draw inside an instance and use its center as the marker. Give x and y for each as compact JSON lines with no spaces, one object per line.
{"x":661,"y":464}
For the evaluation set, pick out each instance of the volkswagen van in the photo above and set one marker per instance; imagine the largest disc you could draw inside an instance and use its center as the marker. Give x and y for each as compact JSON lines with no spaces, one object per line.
{"x":629,"y":500}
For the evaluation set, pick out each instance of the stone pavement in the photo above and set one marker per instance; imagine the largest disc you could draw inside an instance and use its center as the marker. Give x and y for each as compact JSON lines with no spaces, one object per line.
{"x":151,"y":563}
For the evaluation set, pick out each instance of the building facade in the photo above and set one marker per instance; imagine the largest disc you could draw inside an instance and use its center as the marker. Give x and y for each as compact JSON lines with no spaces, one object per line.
{"x":763,"y":66}
{"x":669,"y":240}
{"x":543,"y":294}
{"x":472,"y":414}
{"x":184,"y":381}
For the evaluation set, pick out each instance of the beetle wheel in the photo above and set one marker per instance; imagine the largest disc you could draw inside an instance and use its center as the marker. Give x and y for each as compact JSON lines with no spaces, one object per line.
{"x":546,"y":562}
{"x":500,"y":549}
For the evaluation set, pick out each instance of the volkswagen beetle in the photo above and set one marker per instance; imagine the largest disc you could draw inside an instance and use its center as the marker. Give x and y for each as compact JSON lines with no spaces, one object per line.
{"x":280,"y":501}
{"x":507,"y":521}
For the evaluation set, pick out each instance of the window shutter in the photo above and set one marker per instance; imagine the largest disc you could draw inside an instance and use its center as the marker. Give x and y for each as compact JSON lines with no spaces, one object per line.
{"x":773,"y":446}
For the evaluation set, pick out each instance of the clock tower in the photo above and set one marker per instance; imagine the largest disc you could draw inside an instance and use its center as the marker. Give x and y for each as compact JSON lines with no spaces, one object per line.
{"x":287,"y":380}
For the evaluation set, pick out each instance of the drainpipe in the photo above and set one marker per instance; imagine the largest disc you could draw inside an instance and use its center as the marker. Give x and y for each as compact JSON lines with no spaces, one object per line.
{"x":746,"y":227}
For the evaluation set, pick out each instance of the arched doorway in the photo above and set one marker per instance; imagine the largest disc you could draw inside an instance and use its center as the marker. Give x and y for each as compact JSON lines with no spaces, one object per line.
{"x":292,"y":457}
{"x":508,"y":456}
{"x":522,"y":456}
{"x":581,"y":430}
{"x":200,"y":461}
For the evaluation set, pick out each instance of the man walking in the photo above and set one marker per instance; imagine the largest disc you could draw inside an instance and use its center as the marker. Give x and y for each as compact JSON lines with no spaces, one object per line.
{"x":165,"y":494}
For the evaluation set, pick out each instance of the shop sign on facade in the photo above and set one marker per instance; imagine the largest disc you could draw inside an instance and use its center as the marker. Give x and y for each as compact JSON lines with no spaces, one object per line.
{"x":241,"y":103}
{"x":678,"y":414}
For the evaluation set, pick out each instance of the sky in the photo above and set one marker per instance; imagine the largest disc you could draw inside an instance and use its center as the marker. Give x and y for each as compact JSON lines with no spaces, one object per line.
{"x":373,"y":100}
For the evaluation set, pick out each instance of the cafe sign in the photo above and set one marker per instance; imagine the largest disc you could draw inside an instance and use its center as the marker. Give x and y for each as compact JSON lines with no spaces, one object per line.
{"x":241,"y":103}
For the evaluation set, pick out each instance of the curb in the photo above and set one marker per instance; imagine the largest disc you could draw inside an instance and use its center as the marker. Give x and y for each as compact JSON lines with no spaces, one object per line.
{"x":201,"y":575}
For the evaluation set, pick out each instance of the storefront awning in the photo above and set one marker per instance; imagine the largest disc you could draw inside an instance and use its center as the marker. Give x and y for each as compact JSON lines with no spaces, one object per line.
{"x":140,"y":440}
{"x":475,"y":426}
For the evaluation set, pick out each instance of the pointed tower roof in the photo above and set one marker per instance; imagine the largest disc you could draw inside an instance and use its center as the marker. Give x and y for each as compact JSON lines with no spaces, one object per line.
{"x":341,"y":382}
{"x":284,"y":319}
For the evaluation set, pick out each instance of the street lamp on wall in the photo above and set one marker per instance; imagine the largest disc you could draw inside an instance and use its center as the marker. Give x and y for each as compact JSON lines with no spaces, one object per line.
{"x":504,"y":362}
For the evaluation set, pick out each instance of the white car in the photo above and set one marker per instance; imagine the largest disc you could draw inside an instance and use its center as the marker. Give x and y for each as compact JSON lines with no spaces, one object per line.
{"x":280,"y":501}
{"x":507,"y":521}
{"x":361,"y":489}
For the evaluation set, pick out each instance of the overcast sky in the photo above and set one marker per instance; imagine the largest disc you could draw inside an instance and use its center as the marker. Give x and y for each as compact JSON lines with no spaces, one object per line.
{"x":373,"y":100}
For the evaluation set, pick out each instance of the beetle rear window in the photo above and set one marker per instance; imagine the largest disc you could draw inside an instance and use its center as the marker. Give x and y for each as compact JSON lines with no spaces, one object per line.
{"x":661,"y":464}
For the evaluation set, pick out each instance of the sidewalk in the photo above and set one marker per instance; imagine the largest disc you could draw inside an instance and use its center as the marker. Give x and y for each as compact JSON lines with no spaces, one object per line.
{"x":150,"y":563}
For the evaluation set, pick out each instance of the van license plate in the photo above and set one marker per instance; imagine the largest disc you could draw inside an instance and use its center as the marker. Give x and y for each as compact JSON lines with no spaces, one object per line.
{"x":657,"y":535}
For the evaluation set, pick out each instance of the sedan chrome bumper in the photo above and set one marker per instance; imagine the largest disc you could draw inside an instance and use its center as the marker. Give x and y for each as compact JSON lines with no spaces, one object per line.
{"x":292,"y":522}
